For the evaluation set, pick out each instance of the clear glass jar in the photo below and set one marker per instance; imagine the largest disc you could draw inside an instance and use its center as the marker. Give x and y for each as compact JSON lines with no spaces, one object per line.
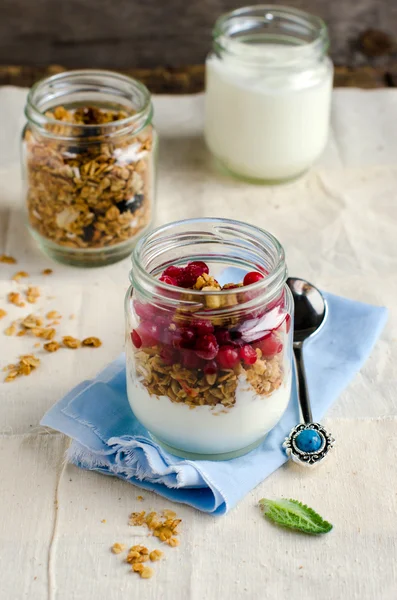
{"x":209,"y":371}
{"x":88,"y":159}
{"x":268,"y":92}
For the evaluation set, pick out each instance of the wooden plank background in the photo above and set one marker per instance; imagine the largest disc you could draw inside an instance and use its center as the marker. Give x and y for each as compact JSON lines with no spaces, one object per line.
{"x":124,"y":34}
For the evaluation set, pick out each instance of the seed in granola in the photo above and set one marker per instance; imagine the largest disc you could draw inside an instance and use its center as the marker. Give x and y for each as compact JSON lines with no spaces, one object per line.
{"x":92,"y":341}
{"x":173,"y":542}
{"x":32,"y":294}
{"x":3,"y":313}
{"x":8,"y":260}
{"x":140,"y":498}
{"x":118,"y":548}
{"x":71,"y":342}
{"x":16,"y":299}
{"x":51,"y":346}
{"x":19,"y":275}
{"x":47,"y":271}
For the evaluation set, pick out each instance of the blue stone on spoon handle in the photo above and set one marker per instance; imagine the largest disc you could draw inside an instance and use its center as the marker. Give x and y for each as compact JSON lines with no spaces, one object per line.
{"x":308,"y":443}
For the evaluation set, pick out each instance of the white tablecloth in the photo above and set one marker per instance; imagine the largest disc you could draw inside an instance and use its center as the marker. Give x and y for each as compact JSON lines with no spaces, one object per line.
{"x":338,"y":225}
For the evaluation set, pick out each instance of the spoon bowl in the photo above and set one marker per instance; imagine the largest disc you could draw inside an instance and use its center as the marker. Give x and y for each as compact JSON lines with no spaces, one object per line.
{"x":310,"y":309}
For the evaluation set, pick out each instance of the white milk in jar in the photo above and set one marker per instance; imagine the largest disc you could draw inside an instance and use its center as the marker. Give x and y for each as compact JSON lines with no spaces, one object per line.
{"x":268,"y":92}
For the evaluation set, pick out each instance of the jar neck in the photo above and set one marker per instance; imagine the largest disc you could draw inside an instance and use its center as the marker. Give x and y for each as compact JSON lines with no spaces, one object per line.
{"x":222,"y":244}
{"x":102,"y":89}
{"x":272,"y":37}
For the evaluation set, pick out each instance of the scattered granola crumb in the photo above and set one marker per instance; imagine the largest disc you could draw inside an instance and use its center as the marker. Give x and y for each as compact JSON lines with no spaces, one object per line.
{"x":139,"y":498}
{"x":47,"y":272}
{"x":92,"y":341}
{"x":103,"y":521}
{"x":71,"y":317}
{"x":32,"y":294}
{"x":36,"y":345}
{"x":25,"y":366}
{"x":71,"y":342}
{"x":8,"y":260}
{"x":53,"y":314}
{"x":137,"y":567}
{"x":21,"y":333}
{"x":16,"y":299}
{"x":19,"y":275}
{"x":11,"y":330}
{"x":118,"y":548}
{"x":162,"y":526}
{"x":155,"y":555}
{"x":3,"y":313}
{"x":51,"y":346}
{"x":146,"y":573}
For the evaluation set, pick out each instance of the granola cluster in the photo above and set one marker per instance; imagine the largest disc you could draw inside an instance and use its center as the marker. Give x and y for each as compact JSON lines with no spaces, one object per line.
{"x":163,"y":526}
{"x":88,"y":192}
{"x":36,"y":326}
{"x":201,"y":361}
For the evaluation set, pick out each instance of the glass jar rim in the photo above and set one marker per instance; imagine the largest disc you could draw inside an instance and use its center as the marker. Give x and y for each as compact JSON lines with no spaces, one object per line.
{"x":265,"y":289}
{"x":242,"y":20}
{"x":38,"y":118}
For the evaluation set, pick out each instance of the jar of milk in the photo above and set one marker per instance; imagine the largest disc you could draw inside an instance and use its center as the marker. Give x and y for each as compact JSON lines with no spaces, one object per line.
{"x":268,"y":92}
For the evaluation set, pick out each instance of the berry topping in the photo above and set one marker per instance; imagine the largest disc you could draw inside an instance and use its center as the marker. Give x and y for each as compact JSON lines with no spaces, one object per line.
{"x":207,"y":347}
{"x":252,"y":277}
{"x":190,"y":360}
{"x":184,"y":338}
{"x":228,"y":357}
{"x":172,"y":272}
{"x":203,"y":327}
{"x":270,"y":345}
{"x":248,"y":355}
{"x":144,"y":310}
{"x":136,"y":338}
{"x":211,"y":368}
{"x":199,"y":264}
{"x":223,"y":337}
{"x":168,"y":279}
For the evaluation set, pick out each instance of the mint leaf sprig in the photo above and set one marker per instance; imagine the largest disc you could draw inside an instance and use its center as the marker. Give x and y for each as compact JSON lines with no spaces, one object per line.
{"x":294,"y":515}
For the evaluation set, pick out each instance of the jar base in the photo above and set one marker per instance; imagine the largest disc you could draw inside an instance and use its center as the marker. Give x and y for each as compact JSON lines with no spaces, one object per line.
{"x":221,"y":166}
{"x":85,"y":257}
{"x":215,"y":457}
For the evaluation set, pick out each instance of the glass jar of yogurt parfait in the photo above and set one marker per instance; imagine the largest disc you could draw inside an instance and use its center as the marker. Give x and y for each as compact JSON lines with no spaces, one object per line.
{"x":209,"y":336}
{"x":268,"y":92}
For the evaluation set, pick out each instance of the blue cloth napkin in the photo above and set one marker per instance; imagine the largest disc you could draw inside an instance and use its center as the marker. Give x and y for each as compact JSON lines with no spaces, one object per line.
{"x":108,"y":438}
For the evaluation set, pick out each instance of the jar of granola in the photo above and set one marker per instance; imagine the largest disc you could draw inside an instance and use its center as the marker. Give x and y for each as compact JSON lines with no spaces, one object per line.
{"x":89,"y":152}
{"x":209,"y":336}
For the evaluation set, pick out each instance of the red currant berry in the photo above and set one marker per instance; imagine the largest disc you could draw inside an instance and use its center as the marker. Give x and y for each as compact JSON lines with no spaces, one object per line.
{"x":211,"y":368}
{"x":252,"y":277}
{"x":190,"y":360}
{"x":168,"y":279}
{"x":172,"y":271}
{"x":228,"y":357}
{"x":203,"y":327}
{"x":207,"y":347}
{"x":223,"y":337}
{"x":136,"y":338}
{"x":184,"y":338}
{"x":248,"y":355}
{"x":199,"y":264}
{"x":270,"y":345}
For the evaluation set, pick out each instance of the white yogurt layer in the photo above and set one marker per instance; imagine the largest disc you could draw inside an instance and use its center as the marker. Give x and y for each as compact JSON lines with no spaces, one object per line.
{"x":205,"y":429}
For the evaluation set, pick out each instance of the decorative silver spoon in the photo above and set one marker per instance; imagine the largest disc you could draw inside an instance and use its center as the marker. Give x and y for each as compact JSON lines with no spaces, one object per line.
{"x":308,"y":443}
